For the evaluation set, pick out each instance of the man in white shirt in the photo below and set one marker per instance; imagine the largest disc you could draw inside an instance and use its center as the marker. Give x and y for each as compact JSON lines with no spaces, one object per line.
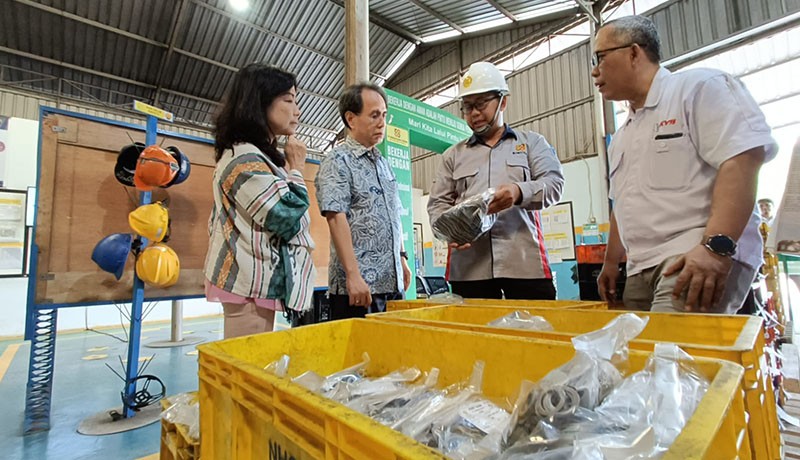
{"x":683,"y":170}
{"x":766,"y":206}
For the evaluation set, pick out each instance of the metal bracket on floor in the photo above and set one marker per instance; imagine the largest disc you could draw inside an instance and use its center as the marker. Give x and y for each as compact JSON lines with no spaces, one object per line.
{"x":176,"y":332}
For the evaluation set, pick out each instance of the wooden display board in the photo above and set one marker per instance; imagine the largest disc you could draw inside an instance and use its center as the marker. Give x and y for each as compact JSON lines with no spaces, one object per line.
{"x":80,"y":202}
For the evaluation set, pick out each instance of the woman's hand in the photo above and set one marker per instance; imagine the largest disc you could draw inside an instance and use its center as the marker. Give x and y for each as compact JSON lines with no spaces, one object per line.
{"x":295,"y":151}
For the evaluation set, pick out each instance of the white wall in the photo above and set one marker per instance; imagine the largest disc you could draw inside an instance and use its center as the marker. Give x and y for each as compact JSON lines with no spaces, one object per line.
{"x":583,"y":185}
{"x":20,"y":173}
{"x":421,"y":213}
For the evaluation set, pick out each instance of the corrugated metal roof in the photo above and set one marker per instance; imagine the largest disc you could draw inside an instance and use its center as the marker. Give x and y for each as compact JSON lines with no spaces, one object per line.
{"x":182,"y":54}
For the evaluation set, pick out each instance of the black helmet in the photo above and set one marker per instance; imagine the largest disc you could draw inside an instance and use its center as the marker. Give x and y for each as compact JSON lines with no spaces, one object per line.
{"x":126,"y":163}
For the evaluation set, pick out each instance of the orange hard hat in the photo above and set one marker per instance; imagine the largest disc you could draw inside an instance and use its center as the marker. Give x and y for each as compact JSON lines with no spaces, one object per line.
{"x":155,"y":168}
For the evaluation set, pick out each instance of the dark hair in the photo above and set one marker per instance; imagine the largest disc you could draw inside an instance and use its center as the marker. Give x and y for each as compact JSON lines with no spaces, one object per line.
{"x":351,"y":100}
{"x":242,"y":117}
{"x":640,"y":30}
{"x":766,"y":200}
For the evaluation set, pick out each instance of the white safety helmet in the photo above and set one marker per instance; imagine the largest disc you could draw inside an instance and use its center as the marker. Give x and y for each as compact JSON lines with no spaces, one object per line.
{"x":482,"y":77}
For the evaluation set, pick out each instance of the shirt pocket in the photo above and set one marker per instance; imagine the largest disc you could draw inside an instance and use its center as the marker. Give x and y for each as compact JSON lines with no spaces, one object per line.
{"x":518,"y":169}
{"x":463,"y":179}
{"x":388,"y":181}
{"x":670,"y":160}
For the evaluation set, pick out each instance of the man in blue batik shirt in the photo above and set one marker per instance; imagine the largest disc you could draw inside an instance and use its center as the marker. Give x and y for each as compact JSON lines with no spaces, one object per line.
{"x":357,"y":194}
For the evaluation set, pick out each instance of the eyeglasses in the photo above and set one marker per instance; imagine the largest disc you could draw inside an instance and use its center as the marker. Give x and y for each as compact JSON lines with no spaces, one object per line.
{"x":598,"y":56}
{"x":481,"y":104}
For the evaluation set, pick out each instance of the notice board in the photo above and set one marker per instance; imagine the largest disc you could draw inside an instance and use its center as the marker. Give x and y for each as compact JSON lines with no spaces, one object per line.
{"x":559,"y":232}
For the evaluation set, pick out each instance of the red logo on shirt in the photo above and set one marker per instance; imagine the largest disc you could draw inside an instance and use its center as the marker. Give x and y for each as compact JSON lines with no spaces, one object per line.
{"x":667,"y":122}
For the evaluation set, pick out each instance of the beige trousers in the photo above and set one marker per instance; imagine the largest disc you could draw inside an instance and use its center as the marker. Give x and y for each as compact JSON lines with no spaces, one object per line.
{"x":650,"y":291}
{"x":246,"y":319}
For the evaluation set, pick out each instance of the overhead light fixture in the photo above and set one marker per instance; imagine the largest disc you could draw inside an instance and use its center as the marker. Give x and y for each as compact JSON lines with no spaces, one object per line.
{"x":544,"y":11}
{"x":487,"y":25}
{"x":240,"y":5}
{"x":441,"y":36}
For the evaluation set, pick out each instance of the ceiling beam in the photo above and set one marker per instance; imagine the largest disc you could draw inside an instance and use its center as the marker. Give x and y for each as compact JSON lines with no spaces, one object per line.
{"x":437,"y":15}
{"x":90,"y":22}
{"x":586,"y":6}
{"x":171,"y":47}
{"x":159,"y":44}
{"x":384,"y":23}
{"x":67,"y":65}
{"x":176,"y":22}
{"x":270,"y":33}
{"x":502,"y":10}
{"x":127,"y":80}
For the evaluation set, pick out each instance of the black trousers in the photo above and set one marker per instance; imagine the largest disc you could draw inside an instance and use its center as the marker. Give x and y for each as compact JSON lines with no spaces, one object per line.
{"x":513,"y":288}
{"x":341,"y":308}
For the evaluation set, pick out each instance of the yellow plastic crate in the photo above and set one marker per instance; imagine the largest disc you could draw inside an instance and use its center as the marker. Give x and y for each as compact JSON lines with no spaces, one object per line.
{"x":734,"y":338}
{"x":246,"y":413}
{"x":176,"y":444}
{"x":395,"y":305}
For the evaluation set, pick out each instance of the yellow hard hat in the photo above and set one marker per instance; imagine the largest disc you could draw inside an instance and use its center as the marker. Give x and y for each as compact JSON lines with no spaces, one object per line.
{"x":150,"y":221}
{"x":158,"y":266}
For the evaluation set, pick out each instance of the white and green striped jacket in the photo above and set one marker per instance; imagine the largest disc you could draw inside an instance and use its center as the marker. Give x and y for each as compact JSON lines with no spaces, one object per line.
{"x":259,"y":240}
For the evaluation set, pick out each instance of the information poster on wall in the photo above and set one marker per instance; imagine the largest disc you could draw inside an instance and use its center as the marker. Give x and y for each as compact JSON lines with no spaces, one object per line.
{"x":439,"y":253}
{"x":559,"y":232}
{"x":12,"y":232}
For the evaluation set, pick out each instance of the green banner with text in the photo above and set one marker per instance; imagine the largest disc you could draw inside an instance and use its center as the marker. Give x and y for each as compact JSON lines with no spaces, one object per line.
{"x":411,"y":122}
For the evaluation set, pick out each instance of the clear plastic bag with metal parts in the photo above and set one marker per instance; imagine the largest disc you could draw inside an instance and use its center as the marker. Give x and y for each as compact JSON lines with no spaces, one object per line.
{"x":370,"y":395}
{"x":577,"y":386}
{"x":571,"y":452}
{"x":459,"y":421}
{"x":522,"y":320}
{"x":466,"y":221}
{"x":337,"y":385}
{"x":184,"y":409}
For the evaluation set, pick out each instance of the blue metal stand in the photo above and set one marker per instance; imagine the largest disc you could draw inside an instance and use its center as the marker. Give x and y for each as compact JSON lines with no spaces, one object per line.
{"x":138,"y":296}
{"x":40,"y":329}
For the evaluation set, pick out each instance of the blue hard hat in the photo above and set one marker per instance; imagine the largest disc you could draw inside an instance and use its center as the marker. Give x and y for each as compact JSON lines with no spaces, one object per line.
{"x":111,"y":253}
{"x":184,"y":164}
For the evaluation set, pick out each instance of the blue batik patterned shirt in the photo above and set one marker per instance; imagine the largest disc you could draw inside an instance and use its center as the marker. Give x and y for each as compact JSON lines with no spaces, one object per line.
{"x":359,"y":182}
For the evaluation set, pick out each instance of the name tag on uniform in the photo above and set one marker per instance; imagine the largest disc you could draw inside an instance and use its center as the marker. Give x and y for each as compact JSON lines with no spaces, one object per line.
{"x":666,"y":130}
{"x":668,"y":136}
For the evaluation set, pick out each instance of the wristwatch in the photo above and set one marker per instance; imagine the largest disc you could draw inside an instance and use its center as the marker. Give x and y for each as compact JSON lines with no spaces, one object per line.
{"x":720,"y":245}
{"x":404,"y":255}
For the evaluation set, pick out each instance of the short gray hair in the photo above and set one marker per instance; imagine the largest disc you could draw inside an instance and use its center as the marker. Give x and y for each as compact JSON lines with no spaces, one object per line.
{"x":639,"y":30}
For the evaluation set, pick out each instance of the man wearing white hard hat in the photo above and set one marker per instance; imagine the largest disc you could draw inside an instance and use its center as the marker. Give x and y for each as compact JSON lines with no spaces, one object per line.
{"x":510,"y":260}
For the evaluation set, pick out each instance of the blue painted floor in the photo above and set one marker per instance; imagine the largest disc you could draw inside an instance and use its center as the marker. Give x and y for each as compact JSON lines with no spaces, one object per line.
{"x":84,"y":387}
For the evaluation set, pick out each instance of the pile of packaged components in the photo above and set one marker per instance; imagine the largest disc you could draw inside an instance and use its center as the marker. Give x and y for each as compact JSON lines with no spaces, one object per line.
{"x":466,"y":221}
{"x":184,"y":409}
{"x":584,"y":409}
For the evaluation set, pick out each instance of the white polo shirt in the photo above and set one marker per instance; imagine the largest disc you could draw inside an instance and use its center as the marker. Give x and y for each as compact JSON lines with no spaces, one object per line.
{"x":664,"y":159}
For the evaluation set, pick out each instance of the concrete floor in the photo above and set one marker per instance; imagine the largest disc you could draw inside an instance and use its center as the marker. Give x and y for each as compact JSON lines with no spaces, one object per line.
{"x":84,"y":386}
